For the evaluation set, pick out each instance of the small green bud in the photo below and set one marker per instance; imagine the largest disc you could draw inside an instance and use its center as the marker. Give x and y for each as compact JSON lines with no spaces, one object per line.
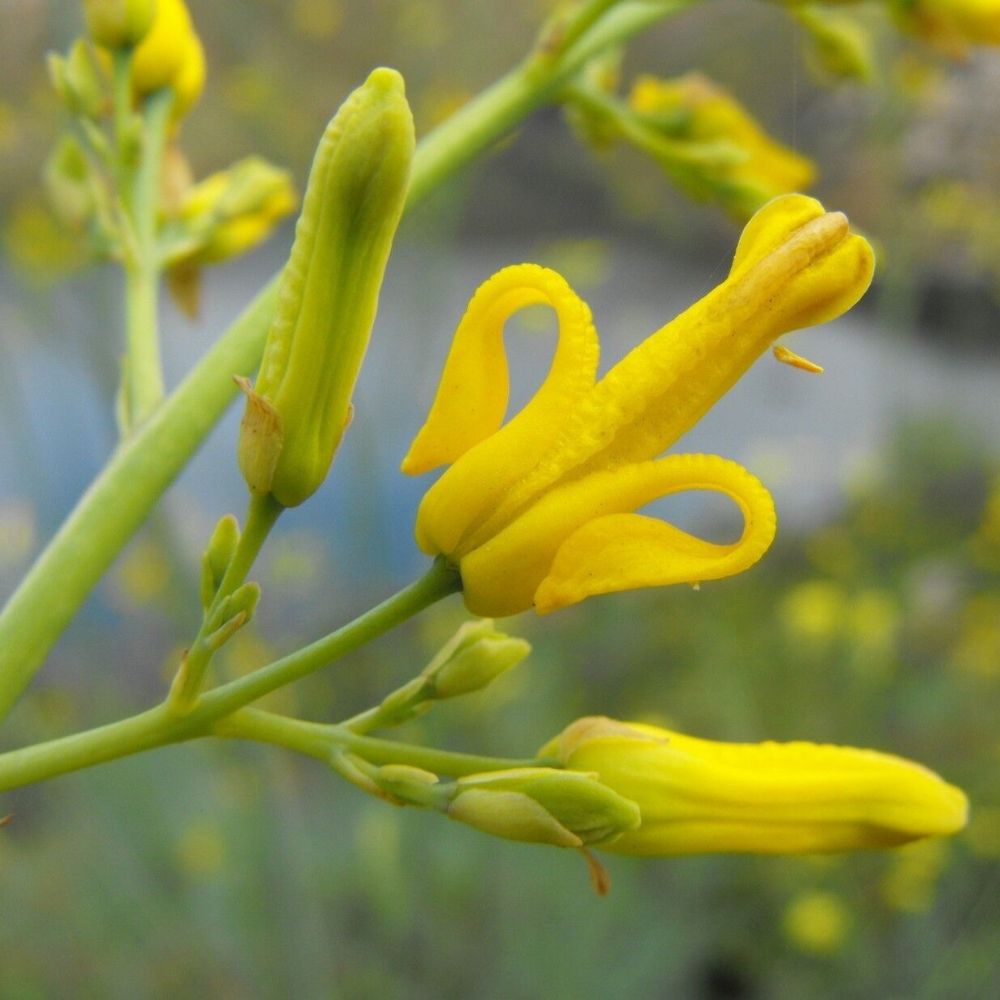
{"x":543,"y":805}
{"x":231,"y":615}
{"x":67,"y":183}
{"x":842,"y":46}
{"x":472,"y":659}
{"x":218,"y":555}
{"x":77,"y":81}
{"x":411,"y":786}
{"x":118,"y":24}
{"x":329,"y":293}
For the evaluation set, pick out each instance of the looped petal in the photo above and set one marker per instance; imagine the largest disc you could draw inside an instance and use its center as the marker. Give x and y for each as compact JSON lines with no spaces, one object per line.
{"x":472,"y":396}
{"x":465,"y":419}
{"x":581,"y":539}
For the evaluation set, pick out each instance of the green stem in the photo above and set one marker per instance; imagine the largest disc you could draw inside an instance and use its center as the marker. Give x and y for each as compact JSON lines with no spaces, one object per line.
{"x":537,"y":80}
{"x":122,"y":107}
{"x":149,"y":729}
{"x":169,"y":724}
{"x":318,"y":740}
{"x":440,"y":581}
{"x":120,"y":499}
{"x":140,"y":471}
{"x":262,"y":515}
{"x":143,"y":370}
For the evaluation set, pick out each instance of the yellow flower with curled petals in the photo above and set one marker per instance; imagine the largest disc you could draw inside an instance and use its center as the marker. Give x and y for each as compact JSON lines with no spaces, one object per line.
{"x":694,"y":108}
{"x":538,"y":511}
{"x":699,"y":796}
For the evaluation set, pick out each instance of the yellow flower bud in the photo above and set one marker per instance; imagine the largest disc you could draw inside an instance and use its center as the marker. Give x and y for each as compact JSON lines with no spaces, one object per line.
{"x":543,"y":805}
{"x":170,"y":55}
{"x":698,"y":796}
{"x":118,"y":24}
{"x":329,"y":292}
{"x":234,"y":210}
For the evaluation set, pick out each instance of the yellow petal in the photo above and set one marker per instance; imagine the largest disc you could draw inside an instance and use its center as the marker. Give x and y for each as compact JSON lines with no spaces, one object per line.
{"x":465,"y":419}
{"x":773,"y":798}
{"x":579,"y":540}
{"x":795,"y":266}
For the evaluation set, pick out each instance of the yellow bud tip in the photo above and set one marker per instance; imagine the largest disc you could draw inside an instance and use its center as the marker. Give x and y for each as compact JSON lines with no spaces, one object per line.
{"x":788,"y":357}
{"x":388,"y":80}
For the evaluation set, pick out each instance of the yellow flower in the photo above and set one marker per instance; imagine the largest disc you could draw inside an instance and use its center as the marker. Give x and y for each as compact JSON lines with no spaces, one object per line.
{"x":170,"y":55}
{"x":817,"y":922}
{"x":698,"y":796}
{"x":235,"y":209}
{"x":695,"y":108}
{"x":952,"y":25}
{"x":537,"y":511}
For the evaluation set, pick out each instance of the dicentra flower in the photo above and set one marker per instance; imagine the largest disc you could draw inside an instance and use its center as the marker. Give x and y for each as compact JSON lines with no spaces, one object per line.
{"x":537,"y":511}
{"x":698,"y":796}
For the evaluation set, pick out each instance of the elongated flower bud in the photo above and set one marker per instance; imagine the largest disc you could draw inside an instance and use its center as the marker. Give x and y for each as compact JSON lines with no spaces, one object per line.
{"x":300,"y":406}
{"x":700,"y":796}
{"x":118,"y":23}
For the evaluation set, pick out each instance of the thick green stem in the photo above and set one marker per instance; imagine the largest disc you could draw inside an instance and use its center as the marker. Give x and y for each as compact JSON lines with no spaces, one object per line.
{"x":153,"y":728}
{"x":120,"y":499}
{"x":143,"y":467}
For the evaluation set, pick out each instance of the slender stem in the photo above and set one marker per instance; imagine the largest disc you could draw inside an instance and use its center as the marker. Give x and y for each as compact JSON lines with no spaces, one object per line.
{"x":121,"y":497}
{"x":262,"y":514}
{"x":122,"y":103}
{"x":502,"y":106}
{"x":168,"y":723}
{"x":317,"y":740}
{"x":143,"y":370}
{"x":440,"y":581}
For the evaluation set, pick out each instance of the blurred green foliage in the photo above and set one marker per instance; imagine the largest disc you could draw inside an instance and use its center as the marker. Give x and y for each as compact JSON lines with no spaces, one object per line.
{"x":239,"y":871}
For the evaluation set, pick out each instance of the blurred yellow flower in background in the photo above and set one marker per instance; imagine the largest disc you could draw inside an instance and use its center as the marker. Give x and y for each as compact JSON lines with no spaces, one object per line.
{"x":697,"y":109}
{"x":817,"y":922}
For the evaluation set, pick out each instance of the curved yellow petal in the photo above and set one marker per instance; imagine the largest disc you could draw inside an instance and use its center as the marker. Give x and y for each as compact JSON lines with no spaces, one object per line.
{"x":627,"y":551}
{"x":698,"y":796}
{"x":796,"y":265}
{"x":465,"y":419}
{"x":579,"y":539}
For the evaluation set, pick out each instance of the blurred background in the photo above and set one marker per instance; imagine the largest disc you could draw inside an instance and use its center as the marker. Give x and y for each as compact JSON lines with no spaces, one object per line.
{"x":240,"y":871}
